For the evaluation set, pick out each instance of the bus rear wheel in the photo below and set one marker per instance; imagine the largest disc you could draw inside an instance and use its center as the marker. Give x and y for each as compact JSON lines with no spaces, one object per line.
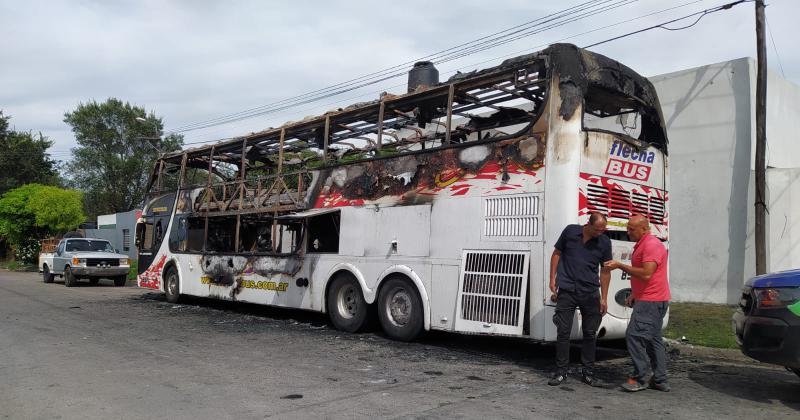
{"x":347,"y":308}
{"x":172,"y":285}
{"x":400,"y":309}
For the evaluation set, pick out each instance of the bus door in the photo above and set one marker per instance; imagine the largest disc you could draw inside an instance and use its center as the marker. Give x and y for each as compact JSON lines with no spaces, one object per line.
{"x":151,"y":229}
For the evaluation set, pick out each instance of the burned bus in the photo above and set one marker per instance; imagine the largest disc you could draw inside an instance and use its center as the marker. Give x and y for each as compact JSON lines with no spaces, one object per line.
{"x":433,"y":209}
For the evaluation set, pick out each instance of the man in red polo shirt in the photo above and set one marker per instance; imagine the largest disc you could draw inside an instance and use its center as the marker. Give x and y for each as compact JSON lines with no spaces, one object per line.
{"x":650,"y":299}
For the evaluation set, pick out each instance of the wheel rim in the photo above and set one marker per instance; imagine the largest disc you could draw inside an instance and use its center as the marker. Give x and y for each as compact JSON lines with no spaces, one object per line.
{"x":399,"y":307}
{"x":347,"y":301}
{"x":172,"y":285}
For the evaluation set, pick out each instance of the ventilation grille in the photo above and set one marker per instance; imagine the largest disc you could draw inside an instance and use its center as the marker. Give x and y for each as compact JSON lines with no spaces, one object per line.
{"x":511,"y":217}
{"x":619,"y":203}
{"x":493,"y":287}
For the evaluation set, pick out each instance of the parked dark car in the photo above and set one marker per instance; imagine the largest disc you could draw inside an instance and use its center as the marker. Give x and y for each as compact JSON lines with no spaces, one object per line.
{"x":767,"y":323}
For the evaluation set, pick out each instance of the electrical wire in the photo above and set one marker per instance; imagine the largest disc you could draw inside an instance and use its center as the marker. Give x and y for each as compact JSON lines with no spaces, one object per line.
{"x":380,"y":73}
{"x":581,"y":11}
{"x":702,"y":14}
{"x":778,"y":56}
{"x":316,"y":109}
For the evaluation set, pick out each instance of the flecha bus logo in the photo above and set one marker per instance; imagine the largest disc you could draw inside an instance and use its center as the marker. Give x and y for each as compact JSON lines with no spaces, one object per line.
{"x":627,"y":162}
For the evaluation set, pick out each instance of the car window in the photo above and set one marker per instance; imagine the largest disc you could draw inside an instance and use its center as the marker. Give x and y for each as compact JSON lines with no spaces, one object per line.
{"x":89,"y":246}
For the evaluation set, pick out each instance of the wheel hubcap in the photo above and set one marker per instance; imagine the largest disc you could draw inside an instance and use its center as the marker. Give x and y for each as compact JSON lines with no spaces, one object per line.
{"x":347,"y":301}
{"x":172,"y":285}
{"x":399,"y":307}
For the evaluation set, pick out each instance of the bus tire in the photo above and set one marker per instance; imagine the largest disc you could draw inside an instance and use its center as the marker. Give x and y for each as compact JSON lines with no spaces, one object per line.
{"x":400,"y":309}
{"x":347,"y":308}
{"x":172,"y":285}
{"x":69,"y":278}
{"x":119,"y":281}
{"x":47,"y":276}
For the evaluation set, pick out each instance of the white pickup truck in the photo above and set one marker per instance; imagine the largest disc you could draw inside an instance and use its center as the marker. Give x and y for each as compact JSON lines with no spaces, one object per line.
{"x":79,"y":258}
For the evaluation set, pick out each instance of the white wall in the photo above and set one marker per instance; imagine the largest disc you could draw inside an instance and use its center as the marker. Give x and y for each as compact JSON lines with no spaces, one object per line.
{"x":708,"y":114}
{"x":783,"y":122}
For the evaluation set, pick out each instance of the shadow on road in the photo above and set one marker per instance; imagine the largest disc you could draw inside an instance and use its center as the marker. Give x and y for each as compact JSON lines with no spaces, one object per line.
{"x":756,"y":384}
{"x":526,"y":353}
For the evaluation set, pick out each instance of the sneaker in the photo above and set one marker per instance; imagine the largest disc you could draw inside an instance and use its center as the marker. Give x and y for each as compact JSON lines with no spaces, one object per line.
{"x":633,"y":385}
{"x":557,"y":379}
{"x":660,"y":386}
{"x":588,"y":378}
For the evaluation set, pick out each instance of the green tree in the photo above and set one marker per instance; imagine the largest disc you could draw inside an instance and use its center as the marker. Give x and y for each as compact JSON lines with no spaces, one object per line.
{"x":35,"y":211}
{"x":113,"y":159}
{"x":24,"y":158}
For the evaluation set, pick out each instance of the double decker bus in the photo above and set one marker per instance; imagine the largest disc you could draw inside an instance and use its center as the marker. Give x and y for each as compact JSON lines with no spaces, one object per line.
{"x":434,"y":209}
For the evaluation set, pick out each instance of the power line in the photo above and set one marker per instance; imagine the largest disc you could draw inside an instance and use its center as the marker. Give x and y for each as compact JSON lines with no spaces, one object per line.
{"x":661,"y":26}
{"x":701,"y":14}
{"x":516,"y":53}
{"x":379,"y":73}
{"x":383,"y":72}
{"x":565,"y":16}
{"x":778,"y":56}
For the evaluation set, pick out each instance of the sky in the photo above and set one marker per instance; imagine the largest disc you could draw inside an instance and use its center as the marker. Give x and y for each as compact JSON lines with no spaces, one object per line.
{"x":190,"y":62}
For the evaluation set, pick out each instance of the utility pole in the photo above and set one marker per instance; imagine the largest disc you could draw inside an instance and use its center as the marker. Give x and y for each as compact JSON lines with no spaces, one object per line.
{"x":761,"y":140}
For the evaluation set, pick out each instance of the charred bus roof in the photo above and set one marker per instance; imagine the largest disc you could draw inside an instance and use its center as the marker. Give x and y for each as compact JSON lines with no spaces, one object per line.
{"x":525,"y":78}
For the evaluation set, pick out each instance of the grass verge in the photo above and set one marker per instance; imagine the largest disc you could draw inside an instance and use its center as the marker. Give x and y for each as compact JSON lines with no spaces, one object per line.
{"x":134,"y":270}
{"x":703,"y":324}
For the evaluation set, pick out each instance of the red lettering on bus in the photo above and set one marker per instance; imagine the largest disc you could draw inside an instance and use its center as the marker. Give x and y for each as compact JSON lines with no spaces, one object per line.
{"x":628,"y":170}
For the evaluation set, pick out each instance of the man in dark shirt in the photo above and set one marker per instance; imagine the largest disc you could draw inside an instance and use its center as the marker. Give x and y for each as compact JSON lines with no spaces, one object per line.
{"x":578,"y":256}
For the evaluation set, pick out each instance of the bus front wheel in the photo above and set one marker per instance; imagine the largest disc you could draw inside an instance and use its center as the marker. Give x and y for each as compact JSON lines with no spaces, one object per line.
{"x":400,"y":309}
{"x":172,"y":285}
{"x":347,"y":308}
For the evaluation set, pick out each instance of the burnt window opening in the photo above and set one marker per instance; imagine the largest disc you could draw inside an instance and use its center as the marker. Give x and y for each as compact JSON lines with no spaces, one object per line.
{"x":289,"y":236}
{"x":187,"y":234}
{"x":323,"y":233}
{"x":221,"y":234}
{"x":255,"y":234}
{"x":612,"y":112}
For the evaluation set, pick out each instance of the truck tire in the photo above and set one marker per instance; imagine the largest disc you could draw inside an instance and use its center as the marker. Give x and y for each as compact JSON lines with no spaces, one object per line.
{"x":69,"y":278}
{"x":347,"y":308}
{"x":47,"y":277}
{"x":119,"y":281}
{"x":400,"y":309}
{"x":172,"y":285}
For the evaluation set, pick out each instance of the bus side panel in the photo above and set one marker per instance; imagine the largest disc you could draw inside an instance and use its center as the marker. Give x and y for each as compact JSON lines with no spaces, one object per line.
{"x":255,"y":279}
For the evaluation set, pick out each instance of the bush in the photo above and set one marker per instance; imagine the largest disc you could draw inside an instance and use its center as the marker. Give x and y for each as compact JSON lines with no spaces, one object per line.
{"x":27,"y":251}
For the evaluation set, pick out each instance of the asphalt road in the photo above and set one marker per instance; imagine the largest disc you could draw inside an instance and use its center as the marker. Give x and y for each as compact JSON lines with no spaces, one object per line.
{"x":107,"y":352}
